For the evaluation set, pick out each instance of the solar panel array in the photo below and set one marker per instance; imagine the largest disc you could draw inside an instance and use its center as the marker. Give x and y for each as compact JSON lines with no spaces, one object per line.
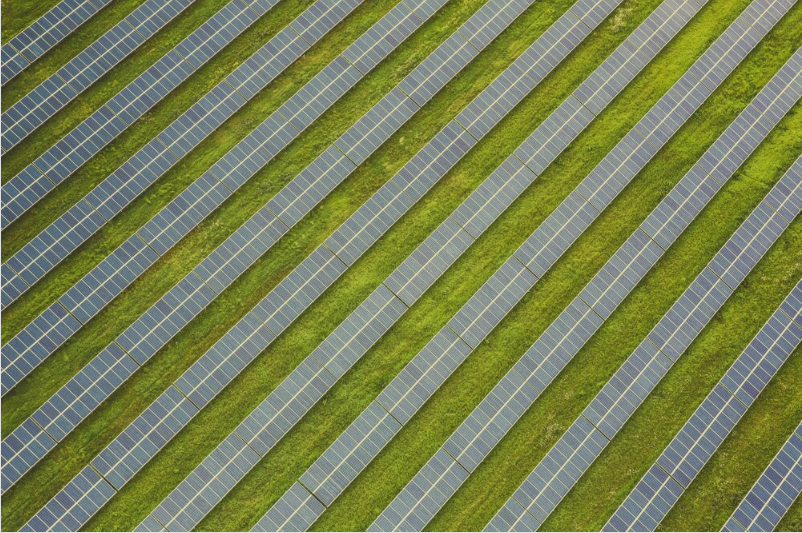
{"x":270,"y":421}
{"x":711,"y":423}
{"x":139,"y":342}
{"x":34,"y":41}
{"x":128,"y":105}
{"x":774,"y":492}
{"x":117,"y":271}
{"x":564,"y":464}
{"x":33,"y":109}
{"x":127,"y":182}
{"x":363,"y":440}
{"x":119,"y":461}
{"x":427,"y":493}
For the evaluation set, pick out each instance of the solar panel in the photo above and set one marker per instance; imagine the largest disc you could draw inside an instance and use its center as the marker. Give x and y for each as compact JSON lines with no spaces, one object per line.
{"x":296,"y":513}
{"x":106,"y":200}
{"x":421,"y":378}
{"x":285,"y":406}
{"x":683,"y":458}
{"x":275,"y":310}
{"x":343,"y":461}
{"x":87,"y":67}
{"x":185,"y":212}
{"x":82,"y":497}
{"x":442,"y":470}
{"x":774,"y":492}
{"x":638,"y":376}
{"x":520,"y":387}
{"x":123,"y":109}
{"x":135,"y":446}
{"x":48,"y":30}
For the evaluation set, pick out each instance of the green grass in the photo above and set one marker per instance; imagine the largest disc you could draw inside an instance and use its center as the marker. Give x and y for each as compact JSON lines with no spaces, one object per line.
{"x":489,"y":487}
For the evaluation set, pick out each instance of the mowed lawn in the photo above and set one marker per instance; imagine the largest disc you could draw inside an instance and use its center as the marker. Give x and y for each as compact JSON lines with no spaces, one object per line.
{"x":710,"y":499}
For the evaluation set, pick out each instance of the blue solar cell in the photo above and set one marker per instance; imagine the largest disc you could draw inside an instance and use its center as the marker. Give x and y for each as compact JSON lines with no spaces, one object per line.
{"x":622,"y":272}
{"x":721,"y":410}
{"x":398,"y":24}
{"x":401,"y":309}
{"x":86,"y":68}
{"x":774,"y":492}
{"x":135,"y":446}
{"x":497,"y":296}
{"x":554,"y":134}
{"x":79,"y":396}
{"x":376,"y":126}
{"x":552,"y":238}
{"x":182,"y":303}
{"x":69,"y":509}
{"x":429,"y":261}
{"x":363,"y":327}
{"x":529,"y":69}
{"x":493,"y":196}
{"x":350,"y":453}
{"x":439,"y":477}
{"x":438,"y":68}
{"x":422,"y":376}
{"x":178,"y":139}
{"x":299,"y":289}
{"x":559,"y":469}
{"x":22,"y":449}
{"x":295,"y":511}
{"x":186,"y":505}
{"x":35,"y":342}
{"x":308,"y":188}
{"x":274,"y":417}
{"x":490,"y":20}
{"x":634,"y":380}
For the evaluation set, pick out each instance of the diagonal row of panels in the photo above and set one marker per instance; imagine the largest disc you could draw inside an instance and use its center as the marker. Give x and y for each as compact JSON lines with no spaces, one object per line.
{"x":269,"y":422}
{"x":562,"y":466}
{"x":699,"y":438}
{"x":131,"y":259}
{"x":373,"y":429}
{"x":585,"y":439}
{"x":427,"y":492}
{"x":54,"y":166}
{"x":46,"y":32}
{"x":774,"y":491}
{"x":151,"y":331}
{"x":86,"y":68}
{"x":164,"y":151}
{"x":145,"y":436}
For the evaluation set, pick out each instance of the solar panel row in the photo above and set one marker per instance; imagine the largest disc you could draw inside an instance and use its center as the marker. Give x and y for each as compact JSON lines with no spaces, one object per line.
{"x":117,"y":271}
{"x":111,"y":196}
{"x":83,"y":70}
{"x":554,"y":476}
{"x":774,"y":492}
{"x":711,"y":423}
{"x":123,"y":457}
{"x":138,"y":343}
{"x":269,"y":422}
{"x":48,"y":30}
{"x":427,"y":493}
{"x":363,"y":440}
{"x":128,"y":105}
